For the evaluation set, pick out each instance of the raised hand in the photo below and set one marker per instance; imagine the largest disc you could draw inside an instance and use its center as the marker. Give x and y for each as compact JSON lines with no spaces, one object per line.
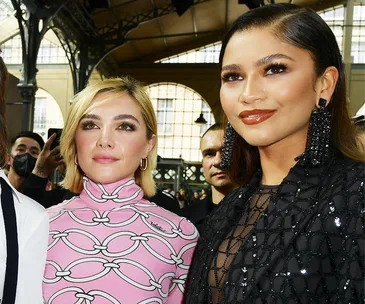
{"x":47,"y":160}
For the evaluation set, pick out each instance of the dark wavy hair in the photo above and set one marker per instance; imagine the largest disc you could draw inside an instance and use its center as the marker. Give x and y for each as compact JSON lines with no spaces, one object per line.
{"x":3,"y":128}
{"x":304,"y":28}
{"x":28,"y":134}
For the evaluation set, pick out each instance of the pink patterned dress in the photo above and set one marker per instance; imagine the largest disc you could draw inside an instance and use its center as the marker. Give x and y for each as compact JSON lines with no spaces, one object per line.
{"x":109,"y":245}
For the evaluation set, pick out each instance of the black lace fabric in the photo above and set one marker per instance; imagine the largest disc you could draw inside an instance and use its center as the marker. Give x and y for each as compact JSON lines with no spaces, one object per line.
{"x":231,"y":244}
{"x":303,"y":242}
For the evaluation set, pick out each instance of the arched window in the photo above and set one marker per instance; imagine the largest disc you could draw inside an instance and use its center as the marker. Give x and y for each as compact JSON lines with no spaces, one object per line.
{"x":47,"y":114}
{"x":49,"y":52}
{"x":177,"y":107}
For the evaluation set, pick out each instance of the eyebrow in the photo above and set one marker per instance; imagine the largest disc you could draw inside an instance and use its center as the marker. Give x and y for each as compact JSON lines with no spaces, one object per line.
{"x":260,"y":62}
{"x":231,"y":67}
{"x":271,"y":58}
{"x":118,"y":117}
{"x":205,"y":151}
{"x":31,"y":148}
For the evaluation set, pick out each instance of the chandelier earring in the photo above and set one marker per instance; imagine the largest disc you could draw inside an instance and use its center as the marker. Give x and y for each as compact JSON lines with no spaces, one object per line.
{"x":318,"y":149}
{"x":229,"y":138}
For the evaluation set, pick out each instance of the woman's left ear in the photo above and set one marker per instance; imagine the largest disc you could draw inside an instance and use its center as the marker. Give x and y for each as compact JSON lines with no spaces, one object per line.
{"x":151,"y":143}
{"x":328,"y":83}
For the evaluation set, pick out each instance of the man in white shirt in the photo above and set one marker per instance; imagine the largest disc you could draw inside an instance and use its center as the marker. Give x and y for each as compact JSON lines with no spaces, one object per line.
{"x":30,"y":220}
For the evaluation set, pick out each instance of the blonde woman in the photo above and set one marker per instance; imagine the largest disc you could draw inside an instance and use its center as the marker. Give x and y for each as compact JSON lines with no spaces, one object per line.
{"x":109,"y":245}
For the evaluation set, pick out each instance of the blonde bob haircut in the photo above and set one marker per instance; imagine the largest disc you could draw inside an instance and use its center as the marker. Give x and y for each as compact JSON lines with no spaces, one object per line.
{"x":82,"y":104}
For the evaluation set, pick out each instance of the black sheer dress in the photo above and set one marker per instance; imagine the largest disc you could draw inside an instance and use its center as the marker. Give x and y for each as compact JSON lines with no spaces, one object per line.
{"x":231,"y":244}
{"x":300,"y":242}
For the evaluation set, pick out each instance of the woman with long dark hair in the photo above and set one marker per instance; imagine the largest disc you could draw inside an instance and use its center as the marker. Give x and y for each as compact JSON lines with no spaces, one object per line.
{"x":294,"y":231}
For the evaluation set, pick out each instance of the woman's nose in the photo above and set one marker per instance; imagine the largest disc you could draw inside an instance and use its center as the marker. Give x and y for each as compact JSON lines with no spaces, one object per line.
{"x":252,"y":90}
{"x":105,"y":141}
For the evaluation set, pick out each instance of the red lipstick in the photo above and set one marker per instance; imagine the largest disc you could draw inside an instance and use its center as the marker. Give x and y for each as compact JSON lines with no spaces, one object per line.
{"x":254,"y":117}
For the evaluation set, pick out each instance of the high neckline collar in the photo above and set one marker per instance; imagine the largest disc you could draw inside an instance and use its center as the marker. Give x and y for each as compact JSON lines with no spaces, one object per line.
{"x":110,"y":196}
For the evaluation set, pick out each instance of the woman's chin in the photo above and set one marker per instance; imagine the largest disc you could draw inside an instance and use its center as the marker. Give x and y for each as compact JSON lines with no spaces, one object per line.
{"x":104,"y":179}
{"x":259,"y":141}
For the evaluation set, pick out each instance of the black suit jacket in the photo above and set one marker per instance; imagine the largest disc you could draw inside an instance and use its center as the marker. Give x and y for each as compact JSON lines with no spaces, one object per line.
{"x":308,"y":248}
{"x":165,"y":201}
{"x":198,"y":212}
{"x":35,"y":187}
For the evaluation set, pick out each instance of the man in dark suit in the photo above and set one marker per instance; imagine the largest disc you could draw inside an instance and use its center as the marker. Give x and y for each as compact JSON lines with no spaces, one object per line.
{"x":221,"y":184}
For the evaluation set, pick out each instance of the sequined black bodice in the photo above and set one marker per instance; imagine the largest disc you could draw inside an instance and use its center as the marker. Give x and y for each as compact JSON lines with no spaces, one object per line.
{"x":240,"y":231}
{"x":308,"y":246}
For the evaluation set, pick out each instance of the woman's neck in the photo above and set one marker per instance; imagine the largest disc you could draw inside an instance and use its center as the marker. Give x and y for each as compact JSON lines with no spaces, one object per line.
{"x":277,"y":159}
{"x":109,"y":196}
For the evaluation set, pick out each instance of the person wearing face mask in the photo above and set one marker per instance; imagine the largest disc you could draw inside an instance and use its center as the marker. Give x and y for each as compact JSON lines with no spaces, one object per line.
{"x":35,"y":186}
{"x":31,"y":162}
{"x":24,"y":151}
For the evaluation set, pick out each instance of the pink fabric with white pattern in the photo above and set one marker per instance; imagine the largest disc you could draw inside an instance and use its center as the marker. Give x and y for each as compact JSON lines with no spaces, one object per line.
{"x":109,"y":245}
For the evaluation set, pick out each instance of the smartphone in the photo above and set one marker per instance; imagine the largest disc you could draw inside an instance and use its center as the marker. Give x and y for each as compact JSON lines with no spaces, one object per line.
{"x":56,"y":141}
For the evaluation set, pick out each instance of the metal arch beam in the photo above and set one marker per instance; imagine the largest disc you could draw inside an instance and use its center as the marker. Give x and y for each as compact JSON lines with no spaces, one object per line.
{"x":193,"y":20}
{"x":162,"y":30}
{"x":80,"y":60}
{"x":74,"y":29}
{"x":86,"y":46}
{"x":33,"y":24}
{"x":114,"y":7}
{"x":205,"y":38}
{"x":72,"y":50}
{"x":79,"y":18}
{"x":79,"y":54}
{"x":114,"y":35}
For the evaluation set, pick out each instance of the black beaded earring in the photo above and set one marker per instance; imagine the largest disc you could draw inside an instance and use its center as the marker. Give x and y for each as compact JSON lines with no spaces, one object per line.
{"x":318,"y":150}
{"x":229,"y":138}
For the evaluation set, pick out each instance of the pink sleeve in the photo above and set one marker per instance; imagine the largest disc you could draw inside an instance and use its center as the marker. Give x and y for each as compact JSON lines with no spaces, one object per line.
{"x":189,"y":237}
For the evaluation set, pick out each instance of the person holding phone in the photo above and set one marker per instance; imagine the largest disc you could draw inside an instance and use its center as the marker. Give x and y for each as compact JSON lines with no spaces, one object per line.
{"x":25,"y":148}
{"x":47,"y":161}
{"x":56,"y":141}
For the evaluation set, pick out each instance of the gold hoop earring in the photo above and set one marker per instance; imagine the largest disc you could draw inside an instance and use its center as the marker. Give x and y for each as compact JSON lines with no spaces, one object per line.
{"x":143,"y":164}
